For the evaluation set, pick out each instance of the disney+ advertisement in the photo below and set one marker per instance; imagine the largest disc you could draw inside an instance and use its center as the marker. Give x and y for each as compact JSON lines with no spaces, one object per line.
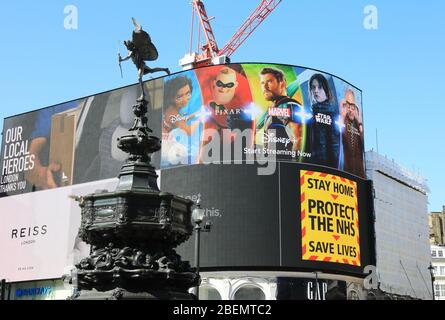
{"x":235,"y":113}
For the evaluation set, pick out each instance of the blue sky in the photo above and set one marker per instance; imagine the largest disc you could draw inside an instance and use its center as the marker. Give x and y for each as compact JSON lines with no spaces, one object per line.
{"x":399,"y":66}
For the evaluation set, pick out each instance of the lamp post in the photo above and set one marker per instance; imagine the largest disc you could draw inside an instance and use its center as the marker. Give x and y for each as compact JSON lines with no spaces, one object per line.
{"x":316,"y":286}
{"x":431,"y":268}
{"x":3,"y":290}
{"x":198,"y":216}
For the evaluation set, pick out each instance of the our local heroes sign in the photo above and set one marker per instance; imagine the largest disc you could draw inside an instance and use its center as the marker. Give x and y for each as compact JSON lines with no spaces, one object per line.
{"x":329,"y":218}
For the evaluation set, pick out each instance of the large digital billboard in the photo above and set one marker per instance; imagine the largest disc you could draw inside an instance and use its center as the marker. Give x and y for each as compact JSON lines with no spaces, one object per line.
{"x":292,"y":113}
{"x":299,"y":218}
{"x":216,"y":114}
{"x":71,"y":143}
{"x":280,"y":116}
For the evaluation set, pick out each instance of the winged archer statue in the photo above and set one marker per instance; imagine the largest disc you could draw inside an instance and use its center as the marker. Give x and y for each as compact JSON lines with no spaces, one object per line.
{"x":141,"y":49}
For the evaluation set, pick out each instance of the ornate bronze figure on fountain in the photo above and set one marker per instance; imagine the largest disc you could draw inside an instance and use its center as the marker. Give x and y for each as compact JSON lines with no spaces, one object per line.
{"x":141,"y":49}
{"x":133,"y":230}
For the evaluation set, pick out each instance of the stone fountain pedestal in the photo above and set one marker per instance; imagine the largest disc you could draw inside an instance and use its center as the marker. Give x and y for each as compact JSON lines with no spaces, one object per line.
{"x":134,"y":230}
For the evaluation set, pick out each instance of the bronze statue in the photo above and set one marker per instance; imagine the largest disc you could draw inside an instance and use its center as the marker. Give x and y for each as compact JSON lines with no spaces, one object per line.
{"x":134,"y":238}
{"x":141,"y":49}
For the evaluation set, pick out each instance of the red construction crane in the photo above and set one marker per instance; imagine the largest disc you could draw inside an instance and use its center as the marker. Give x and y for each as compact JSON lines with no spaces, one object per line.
{"x":209,"y":53}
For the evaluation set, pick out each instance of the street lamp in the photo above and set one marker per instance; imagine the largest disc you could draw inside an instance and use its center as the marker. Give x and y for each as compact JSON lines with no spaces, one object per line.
{"x":3,"y":290}
{"x":315,"y":293}
{"x":431,"y":268}
{"x":198,"y":216}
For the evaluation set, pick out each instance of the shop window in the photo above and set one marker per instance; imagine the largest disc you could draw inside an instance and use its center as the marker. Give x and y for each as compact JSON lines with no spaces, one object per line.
{"x":439,"y":290}
{"x":353,"y":295}
{"x":209,"y":293}
{"x":442,"y":290}
{"x":249,"y":292}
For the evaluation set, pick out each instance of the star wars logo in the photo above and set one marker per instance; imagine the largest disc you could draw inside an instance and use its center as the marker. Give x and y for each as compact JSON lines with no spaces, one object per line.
{"x":323,"y":118}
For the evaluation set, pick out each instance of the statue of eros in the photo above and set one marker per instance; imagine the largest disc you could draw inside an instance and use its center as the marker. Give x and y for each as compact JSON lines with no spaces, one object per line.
{"x":141,"y":49}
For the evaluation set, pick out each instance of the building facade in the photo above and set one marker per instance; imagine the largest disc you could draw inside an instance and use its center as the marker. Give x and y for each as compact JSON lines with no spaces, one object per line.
{"x":292,"y":217}
{"x":402,"y":251}
{"x":401,"y":227}
{"x":438,"y":264}
{"x":437,"y":240}
{"x":437,"y":227}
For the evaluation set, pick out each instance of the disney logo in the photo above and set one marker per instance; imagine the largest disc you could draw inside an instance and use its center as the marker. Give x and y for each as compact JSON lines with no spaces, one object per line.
{"x":178,"y":117}
{"x":272,"y":138}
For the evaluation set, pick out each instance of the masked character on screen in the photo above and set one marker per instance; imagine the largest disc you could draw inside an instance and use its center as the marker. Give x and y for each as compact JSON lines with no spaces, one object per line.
{"x":279,"y":122}
{"x":325,"y":135}
{"x":141,"y":49}
{"x":46,"y":174}
{"x":227,"y":96}
{"x":179,"y":126}
{"x":352,"y":137}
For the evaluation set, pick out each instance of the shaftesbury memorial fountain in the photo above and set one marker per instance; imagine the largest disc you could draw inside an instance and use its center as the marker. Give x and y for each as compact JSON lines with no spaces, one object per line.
{"x":133,"y":230}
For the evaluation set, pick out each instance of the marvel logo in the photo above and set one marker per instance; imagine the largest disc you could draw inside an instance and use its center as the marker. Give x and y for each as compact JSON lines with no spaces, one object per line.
{"x":279,"y":112}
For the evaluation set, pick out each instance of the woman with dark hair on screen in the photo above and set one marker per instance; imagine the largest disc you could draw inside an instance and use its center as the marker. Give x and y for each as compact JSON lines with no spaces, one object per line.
{"x":177,"y":94}
{"x":325,"y":136}
{"x":179,"y":124}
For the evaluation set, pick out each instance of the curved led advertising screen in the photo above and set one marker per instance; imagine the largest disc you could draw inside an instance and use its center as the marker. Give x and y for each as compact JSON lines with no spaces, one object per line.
{"x":241,"y":112}
{"x":243,"y":136}
{"x":300,"y":217}
{"x":215,"y":114}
